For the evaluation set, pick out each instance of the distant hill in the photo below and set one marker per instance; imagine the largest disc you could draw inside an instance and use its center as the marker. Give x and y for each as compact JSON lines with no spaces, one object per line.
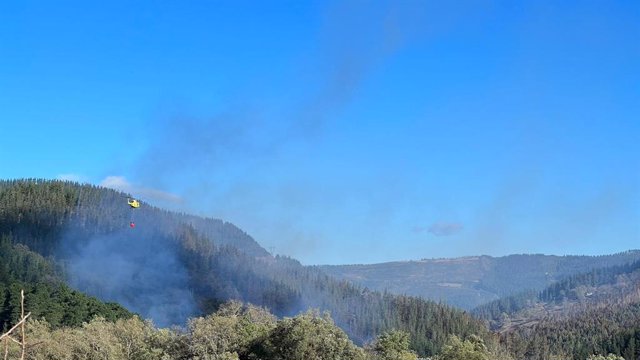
{"x":468,"y":282}
{"x":610,"y":284}
{"x":172,"y":266}
{"x":605,"y":328}
{"x":588,"y":313}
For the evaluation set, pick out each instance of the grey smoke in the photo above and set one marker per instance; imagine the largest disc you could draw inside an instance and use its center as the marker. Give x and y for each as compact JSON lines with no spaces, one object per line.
{"x":354,"y":40}
{"x":141,"y":273}
{"x":443,"y":228}
{"x":218,"y":162}
{"x":120,"y":183}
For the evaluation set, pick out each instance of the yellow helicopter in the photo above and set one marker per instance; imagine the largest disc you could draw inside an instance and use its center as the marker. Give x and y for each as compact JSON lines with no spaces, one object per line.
{"x":133,"y":203}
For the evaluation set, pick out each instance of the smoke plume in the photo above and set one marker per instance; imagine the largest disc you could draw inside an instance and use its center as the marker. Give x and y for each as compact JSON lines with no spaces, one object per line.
{"x":140,"y":272}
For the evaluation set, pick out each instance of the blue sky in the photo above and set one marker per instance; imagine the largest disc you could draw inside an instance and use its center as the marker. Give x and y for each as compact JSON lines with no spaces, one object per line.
{"x":341,"y":132}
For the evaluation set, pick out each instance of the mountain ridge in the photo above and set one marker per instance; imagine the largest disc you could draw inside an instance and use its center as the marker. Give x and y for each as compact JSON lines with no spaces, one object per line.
{"x":170,"y":269}
{"x":588,"y":313}
{"x":470,"y":281}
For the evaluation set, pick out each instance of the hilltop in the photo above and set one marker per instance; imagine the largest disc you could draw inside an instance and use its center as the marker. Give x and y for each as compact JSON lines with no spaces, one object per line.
{"x":172,"y":267}
{"x":71,"y":247}
{"x":468,"y":282}
{"x":593,"y":312}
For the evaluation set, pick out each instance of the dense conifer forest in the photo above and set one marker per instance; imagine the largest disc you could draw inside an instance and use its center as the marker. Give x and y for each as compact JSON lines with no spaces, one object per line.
{"x":90,"y":280}
{"x":609,"y":328}
{"x":597,"y":312}
{"x":47,"y":296}
{"x":599,"y":285}
{"x":214,"y":262}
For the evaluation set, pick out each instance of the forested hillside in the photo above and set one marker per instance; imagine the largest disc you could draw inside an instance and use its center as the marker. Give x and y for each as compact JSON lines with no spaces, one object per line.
{"x":472,"y":281}
{"x":171,"y":267}
{"x":598,"y":285}
{"x":610,"y":327}
{"x":174,"y":268}
{"x":593,"y":312}
{"x":46,"y":294}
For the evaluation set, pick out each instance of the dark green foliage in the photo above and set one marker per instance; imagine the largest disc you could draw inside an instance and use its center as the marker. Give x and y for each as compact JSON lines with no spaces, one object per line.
{"x":309,"y":336}
{"x":608,"y":329}
{"x":392,"y":345}
{"x":46,"y":296}
{"x":567,"y":289}
{"x":597,"y":312}
{"x":494,"y":310}
{"x":544,"y":270}
{"x":234,"y":330}
{"x":59,"y":220}
{"x":286,"y":287}
{"x":472,"y":348}
{"x":364,"y":314}
{"x":62,"y":219}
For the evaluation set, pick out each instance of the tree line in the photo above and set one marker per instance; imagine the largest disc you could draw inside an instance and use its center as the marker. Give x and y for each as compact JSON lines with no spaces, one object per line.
{"x":43,"y":222}
{"x":222,"y":263}
{"x":597,"y":312}
{"x":235,"y":331}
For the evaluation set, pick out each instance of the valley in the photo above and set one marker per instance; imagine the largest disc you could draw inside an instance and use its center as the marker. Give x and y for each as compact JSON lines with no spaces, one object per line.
{"x":70,"y":247}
